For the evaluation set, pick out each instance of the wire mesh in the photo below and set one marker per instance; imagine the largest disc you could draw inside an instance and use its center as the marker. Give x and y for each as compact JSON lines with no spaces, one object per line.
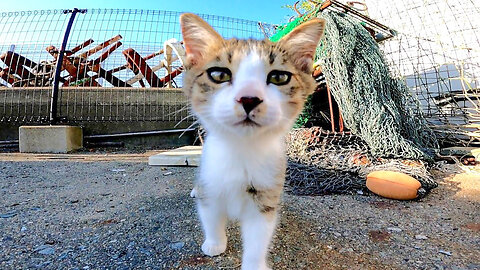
{"x":23,"y":39}
{"x":437,"y":51}
{"x":119,"y":64}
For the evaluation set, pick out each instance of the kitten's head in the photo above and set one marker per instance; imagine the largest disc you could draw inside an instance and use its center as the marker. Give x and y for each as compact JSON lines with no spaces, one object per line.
{"x":248,"y":87}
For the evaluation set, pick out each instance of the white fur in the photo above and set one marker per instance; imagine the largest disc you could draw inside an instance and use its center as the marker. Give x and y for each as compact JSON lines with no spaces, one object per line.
{"x":235,"y":157}
{"x":249,"y":80}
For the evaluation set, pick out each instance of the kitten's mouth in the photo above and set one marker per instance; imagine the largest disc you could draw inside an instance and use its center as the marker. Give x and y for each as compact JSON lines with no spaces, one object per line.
{"x":247,"y":122}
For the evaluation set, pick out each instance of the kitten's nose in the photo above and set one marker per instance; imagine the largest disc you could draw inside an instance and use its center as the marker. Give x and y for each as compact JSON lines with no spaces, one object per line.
{"x":249,"y":103}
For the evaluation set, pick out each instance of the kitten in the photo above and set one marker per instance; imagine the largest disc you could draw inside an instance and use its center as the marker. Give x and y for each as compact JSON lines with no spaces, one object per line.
{"x":247,"y":95}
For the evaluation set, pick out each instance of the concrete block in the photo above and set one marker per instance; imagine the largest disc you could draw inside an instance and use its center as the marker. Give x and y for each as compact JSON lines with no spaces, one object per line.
{"x":183,"y":156}
{"x":50,"y":139}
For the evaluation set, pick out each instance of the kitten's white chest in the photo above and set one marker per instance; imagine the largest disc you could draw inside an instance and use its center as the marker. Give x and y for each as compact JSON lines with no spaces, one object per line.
{"x":229,"y":169}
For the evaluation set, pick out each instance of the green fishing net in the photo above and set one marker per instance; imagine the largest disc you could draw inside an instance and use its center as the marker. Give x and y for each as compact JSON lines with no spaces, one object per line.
{"x":375,"y":106}
{"x":388,"y":131}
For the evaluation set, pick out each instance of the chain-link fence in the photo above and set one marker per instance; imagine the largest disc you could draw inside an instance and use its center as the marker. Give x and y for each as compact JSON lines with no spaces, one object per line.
{"x":109,"y":65}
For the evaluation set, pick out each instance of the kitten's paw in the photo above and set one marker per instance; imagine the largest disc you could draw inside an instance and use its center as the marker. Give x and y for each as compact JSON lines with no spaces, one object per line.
{"x":193,"y":194}
{"x":213,"y":248}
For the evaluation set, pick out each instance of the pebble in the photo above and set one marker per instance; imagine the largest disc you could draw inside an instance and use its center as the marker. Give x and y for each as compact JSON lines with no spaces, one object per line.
{"x":177,"y":245}
{"x":444,"y":252}
{"x":8,"y":214}
{"x":168,"y":173}
{"x":421,"y":237}
{"x":64,"y":255}
{"x":131,"y":245}
{"x":344,"y":250}
{"x":23,"y":229}
{"x":394,"y":229}
{"x":45,"y":250}
{"x":145,"y":251}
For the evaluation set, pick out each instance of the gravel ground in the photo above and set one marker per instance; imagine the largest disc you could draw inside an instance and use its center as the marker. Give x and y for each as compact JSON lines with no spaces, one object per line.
{"x":96,"y":211}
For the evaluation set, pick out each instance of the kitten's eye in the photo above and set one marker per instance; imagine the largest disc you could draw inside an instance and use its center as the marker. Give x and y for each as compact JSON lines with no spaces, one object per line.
{"x":219,"y":75}
{"x":279,"y":77}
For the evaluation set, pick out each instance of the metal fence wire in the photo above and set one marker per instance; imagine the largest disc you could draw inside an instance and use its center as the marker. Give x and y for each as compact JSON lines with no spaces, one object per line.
{"x":437,"y":51}
{"x":116,"y":65}
{"x":126,"y":65}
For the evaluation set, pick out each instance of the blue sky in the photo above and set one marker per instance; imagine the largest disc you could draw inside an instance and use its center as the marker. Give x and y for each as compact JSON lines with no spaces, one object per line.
{"x":269,"y":11}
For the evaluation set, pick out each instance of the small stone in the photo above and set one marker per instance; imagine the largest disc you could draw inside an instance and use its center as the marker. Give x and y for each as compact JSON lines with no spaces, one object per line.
{"x":344,"y":250}
{"x":359,"y":192}
{"x":145,"y":251}
{"x":444,"y":252}
{"x":421,"y":237}
{"x":8,"y":214}
{"x":45,"y":250}
{"x":168,"y":173}
{"x":131,"y":245}
{"x":64,"y":255}
{"x":394,"y":229}
{"x":23,"y":229}
{"x":177,"y":245}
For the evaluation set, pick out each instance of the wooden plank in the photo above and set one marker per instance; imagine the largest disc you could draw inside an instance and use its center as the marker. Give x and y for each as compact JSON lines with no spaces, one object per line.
{"x":183,"y":156}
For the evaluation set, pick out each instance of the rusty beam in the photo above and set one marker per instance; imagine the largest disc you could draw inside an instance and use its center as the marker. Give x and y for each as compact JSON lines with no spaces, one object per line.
{"x":135,"y":61}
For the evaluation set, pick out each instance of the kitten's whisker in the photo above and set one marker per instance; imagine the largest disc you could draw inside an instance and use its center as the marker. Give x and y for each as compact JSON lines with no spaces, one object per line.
{"x":183,"y":119}
{"x":194,"y":123}
{"x":180,"y":110}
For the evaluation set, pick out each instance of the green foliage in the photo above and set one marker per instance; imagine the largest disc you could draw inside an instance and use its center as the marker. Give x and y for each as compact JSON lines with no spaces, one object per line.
{"x":306,"y":114}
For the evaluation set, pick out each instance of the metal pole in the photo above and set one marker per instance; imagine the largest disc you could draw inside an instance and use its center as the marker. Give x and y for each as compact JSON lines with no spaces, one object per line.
{"x":54,"y":97}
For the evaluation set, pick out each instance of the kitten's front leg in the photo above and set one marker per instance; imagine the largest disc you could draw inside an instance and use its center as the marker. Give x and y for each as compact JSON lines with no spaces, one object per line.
{"x":257,"y":231}
{"x":213,"y":220}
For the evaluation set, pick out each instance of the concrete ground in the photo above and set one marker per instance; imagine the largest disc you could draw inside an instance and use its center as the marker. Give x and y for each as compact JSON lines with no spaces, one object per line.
{"x":113,"y":211}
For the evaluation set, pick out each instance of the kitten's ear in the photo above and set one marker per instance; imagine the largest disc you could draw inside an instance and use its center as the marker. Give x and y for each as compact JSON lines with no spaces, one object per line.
{"x":198,"y":37}
{"x":302,"y":42}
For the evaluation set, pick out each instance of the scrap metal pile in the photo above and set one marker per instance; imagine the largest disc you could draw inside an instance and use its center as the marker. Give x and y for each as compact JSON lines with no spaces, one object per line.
{"x":84,"y":66}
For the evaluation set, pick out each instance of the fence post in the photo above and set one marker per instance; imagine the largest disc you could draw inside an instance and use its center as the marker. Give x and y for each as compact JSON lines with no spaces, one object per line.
{"x":54,"y":96}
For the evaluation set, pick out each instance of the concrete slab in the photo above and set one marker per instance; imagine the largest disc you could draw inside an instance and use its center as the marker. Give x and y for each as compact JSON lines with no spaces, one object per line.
{"x":183,"y":156}
{"x":50,"y":139}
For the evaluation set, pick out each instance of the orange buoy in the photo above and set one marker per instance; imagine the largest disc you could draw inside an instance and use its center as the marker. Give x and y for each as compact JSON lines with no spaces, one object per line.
{"x":393,"y":185}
